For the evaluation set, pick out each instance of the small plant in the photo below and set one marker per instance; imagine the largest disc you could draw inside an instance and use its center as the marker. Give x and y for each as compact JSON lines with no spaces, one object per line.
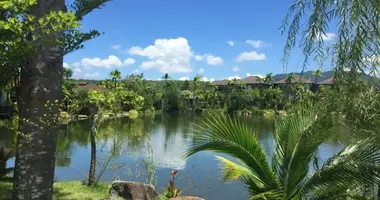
{"x":172,"y":191}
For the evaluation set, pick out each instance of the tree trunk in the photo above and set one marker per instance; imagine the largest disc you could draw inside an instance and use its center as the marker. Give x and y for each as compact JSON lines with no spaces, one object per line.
{"x":91,"y":174}
{"x":40,"y":81}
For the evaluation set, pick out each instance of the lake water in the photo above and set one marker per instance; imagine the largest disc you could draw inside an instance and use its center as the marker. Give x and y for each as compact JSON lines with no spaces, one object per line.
{"x":157,"y":143}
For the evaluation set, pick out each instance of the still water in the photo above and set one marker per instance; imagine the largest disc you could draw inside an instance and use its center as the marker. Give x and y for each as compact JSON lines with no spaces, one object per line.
{"x":152,"y":147}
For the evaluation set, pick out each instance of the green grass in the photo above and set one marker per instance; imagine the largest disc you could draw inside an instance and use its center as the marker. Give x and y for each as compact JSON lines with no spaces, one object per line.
{"x":66,"y":191}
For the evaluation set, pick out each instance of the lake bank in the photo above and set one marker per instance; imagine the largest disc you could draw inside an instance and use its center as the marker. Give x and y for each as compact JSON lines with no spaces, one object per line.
{"x":65,"y":190}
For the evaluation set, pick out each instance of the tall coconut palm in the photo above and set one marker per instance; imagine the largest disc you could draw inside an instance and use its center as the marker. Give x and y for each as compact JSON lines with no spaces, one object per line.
{"x":288,"y":175}
{"x":268,"y":78}
{"x":317,"y":74}
{"x":196,"y":84}
{"x":260,"y":79}
{"x":165,"y":77}
{"x":290,"y":79}
{"x":115,"y":75}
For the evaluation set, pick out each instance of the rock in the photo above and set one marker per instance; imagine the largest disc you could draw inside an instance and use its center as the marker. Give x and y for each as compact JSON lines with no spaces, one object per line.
{"x":133,"y":190}
{"x":186,"y":198}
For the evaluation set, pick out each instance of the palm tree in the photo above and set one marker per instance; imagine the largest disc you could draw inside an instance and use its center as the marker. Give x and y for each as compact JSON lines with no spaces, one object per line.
{"x":165,"y":77}
{"x":287,"y":176}
{"x":260,"y":79}
{"x":196,"y":83}
{"x":115,"y":75}
{"x":317,"y":74}
{"x":290,"y":79}
{"x":268,"y":78}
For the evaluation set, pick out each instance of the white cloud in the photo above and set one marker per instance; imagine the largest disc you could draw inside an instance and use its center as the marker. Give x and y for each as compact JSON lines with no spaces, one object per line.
{"x":328,"y":36}
{"x":248,"y":56}
{"x":256,"y":43}
{"x":232,"y":77}
{"x":201,"y":70}
{"x":235,"y":69}
{"x":78,"y":70}
{"x":92,"y":75}
{"x":136,"y":71}
{"x":166,"y":55}
{"x":258,"y":75}
{"x":210,"y":59}
{"x":231,"y":43}
{"x":205,"y":79}
{"x":76,"y":67}
{"x":110,"y":62}
{"x":214,"y":60}
{"x":186,"y":78}
{"x":116,"y":46}
{"x":198,"y":57}
{"x":129,"y":61}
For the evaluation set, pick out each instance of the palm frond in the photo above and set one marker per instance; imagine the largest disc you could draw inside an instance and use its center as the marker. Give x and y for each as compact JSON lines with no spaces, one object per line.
{"x":273,"y":195}
{"x":233,"y":171}
{"x":231,"y":137}
{"x":358,"y":164}
{"x":296,"y":144}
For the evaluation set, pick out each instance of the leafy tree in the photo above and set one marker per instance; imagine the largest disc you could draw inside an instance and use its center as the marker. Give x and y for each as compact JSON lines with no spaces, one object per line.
{"x":355,"y":52}
{"x":67,"y":73}
{"x":297,"y":139}
{"x":34,"y":36}
{"x":96,"y":104}
{"x":186,"y":85}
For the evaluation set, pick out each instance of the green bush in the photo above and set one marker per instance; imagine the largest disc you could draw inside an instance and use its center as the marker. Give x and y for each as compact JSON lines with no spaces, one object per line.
{"x":133,"y":114}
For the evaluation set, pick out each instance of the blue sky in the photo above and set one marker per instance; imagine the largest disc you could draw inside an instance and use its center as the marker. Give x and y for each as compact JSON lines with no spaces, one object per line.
{"x":215,"y":38}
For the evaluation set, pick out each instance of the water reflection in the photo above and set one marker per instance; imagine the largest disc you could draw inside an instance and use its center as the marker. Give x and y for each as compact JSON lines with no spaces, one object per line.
{"x":168,"y":136}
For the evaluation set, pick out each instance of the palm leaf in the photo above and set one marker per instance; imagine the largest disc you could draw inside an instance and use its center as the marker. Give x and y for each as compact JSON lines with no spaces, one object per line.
{"x":356,"y":165}
{"x":296,"y":143}
{"x":229,"y":136}
{"x":233,"y":171}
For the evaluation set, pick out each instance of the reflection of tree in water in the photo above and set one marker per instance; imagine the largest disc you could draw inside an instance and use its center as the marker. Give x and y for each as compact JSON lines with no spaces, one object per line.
{"x":174,"y":125}
{"x":111,"y":132}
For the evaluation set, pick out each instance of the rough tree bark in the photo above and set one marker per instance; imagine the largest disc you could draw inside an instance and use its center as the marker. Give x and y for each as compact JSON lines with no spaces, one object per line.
{"x":40,"y":81}
{"x":91,"y":174}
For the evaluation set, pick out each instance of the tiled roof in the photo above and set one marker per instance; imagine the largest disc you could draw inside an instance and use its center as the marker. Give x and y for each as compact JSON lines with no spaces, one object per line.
{"x":221,"y":82}
{"x":328,"y":81}
{"x":252,"y":80}
{"x":297,"y":79}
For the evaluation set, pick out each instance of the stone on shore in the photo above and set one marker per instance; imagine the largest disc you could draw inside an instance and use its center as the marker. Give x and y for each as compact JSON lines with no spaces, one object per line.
{"x":133,"y":190}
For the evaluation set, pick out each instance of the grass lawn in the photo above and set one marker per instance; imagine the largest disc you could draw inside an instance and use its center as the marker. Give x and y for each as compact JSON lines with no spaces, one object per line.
{"x":66,"y":191}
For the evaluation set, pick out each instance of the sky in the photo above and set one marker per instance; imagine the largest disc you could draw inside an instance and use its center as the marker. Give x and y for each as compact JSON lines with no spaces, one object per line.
{"x":217,"y":39}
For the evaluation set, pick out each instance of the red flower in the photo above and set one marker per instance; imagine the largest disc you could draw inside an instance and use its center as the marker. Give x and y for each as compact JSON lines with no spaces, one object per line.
{"x":174,"y":172}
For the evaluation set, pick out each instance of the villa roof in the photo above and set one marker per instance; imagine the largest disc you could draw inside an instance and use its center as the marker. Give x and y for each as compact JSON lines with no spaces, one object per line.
{"x":252,"y":80}
{"x":297,"y":79}
{"x":328,"y":81}
{"x":85,"y":86}
{"x":221,"y":82}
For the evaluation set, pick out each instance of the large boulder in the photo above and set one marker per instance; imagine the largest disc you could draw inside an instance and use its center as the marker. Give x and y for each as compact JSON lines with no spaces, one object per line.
{"x":186,"y":198}
{"x":133,"y":190}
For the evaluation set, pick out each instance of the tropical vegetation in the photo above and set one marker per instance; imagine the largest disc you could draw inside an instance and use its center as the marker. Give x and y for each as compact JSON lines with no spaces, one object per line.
{"x":293,"y":170}
{"x":30,"y":30}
